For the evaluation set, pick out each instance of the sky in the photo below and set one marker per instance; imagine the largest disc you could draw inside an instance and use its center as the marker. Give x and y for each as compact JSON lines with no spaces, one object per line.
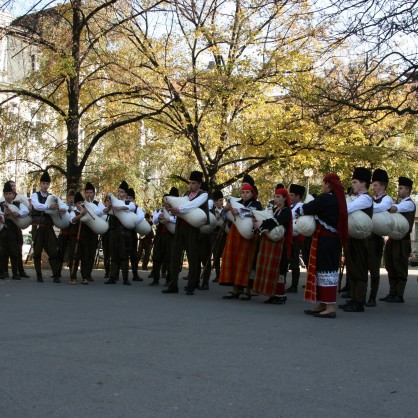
{"x":20,"y":7}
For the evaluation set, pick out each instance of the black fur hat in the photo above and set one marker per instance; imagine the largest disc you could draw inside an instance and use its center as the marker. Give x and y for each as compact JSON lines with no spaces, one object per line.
{"x":196,"y":176}
{"x":45,"y":177}
{"x":124,"y":186}
{"x":78,"y":197}
{"x":89,"y":186}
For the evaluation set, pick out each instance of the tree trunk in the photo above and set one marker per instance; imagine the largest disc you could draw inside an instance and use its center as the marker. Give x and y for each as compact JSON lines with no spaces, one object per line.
{"x":73,"y":122}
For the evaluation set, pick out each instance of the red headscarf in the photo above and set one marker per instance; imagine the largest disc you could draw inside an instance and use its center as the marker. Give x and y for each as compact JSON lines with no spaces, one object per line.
{"x":289,"y":230}
{"x":338,"y":190}
{"x":282,"y":191}
{"x":247,"y":186}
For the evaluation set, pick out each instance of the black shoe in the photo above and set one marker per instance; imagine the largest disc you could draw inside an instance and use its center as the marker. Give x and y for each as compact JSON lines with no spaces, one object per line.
{"x":126,"y":282}
{"x":346,"y":289}
{"x":189,"y":290}
{"x":171,"y":289}
{"x":15,"y":277}
{"x":24,"y":275}
{"x":110,"y":281}
{"x":215,"y":280}
{"x":311,"y":312}
{"x":291,"y":289}
{"x":331,"y":315}
{"x":346,"y":295}
{"x":90,"y":279}
{"x":371,"y":303}
{"x":389,"y":296}
{"x":396,"y":299}
{"x":204,"y":287}
{"x":345,"y":305}
{"x":154,"y":283}
{"x":56,"y":279}
{"x":281,"y":300}
{"x":39,"y":279}
{"x":106,"y":276}
{"x":136,"y":279}
{"x":354,"y":307}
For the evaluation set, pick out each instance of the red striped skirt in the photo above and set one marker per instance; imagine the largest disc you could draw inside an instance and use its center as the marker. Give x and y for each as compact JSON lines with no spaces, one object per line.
{"x":268,"y":263}
{"x":237,"y":259}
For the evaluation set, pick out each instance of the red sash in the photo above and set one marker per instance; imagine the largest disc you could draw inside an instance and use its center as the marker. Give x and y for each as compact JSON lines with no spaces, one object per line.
{"x":310,"y":287}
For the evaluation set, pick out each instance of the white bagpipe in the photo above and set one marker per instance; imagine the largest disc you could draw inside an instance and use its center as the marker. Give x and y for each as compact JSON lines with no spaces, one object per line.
{"x":96,"y":223}
{"x":211,"y":226}
{"x":169,"y":225}
{"x":360,"y":225}
{"x":143,"y":228}
{"x":21,"y":198}
{"x":305,"y":224}
{"x":196,"y":217}
{"x":127,"y":218}
{"x":393,"y":225}
{"x":400,"y":227}
{"x":60,"y":221}
{"x":383,"y":223}
{"x":277,"y":233}
{"x":22,"y":223}
{"x":244,"y":224}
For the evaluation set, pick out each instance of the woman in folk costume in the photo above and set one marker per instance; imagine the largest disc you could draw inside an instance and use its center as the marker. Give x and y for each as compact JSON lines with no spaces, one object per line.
{"x":330,"y":211}
{"x":239,"y":253}
{"x":273,"y":256}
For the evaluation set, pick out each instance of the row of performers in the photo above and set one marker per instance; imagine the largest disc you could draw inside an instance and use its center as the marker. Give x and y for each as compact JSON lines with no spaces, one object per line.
{"x":257,"y":262}
{"x":249,"y":263}
{"x":81,"y":221}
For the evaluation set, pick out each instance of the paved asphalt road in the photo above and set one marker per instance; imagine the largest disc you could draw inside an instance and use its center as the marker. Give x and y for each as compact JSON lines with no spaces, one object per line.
{"x":119,"y":351}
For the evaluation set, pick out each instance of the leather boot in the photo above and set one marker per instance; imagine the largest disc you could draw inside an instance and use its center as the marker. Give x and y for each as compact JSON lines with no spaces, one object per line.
{"x":371,"y":303}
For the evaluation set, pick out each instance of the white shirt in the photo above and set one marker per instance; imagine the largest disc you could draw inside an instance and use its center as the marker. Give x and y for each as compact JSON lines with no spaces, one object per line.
{"x":157,"y":214}
{"x":193,"y":204}
{"x":42,"y":207}
{"x":294,"y":209}
{"x":23,"y":211}
{"x":405,"y":205}
{"x":99,"y":208}
{"x":140,"y":213}
{"x":362,"y":201}
{"x":383,"y":206}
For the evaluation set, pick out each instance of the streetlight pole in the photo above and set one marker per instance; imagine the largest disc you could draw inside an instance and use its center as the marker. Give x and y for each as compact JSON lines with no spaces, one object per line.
{"x":308,"y":173}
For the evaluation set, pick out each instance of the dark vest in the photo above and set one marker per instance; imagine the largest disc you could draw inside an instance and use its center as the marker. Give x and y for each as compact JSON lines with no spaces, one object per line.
{"x":38,"y":217}
{"x":379,"y":200}
{"x":74,"y":227}
{"x":410,"y":217}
